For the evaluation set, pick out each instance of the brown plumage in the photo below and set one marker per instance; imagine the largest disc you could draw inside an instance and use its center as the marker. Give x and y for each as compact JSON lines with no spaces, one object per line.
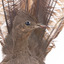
{"x":25,"y":43}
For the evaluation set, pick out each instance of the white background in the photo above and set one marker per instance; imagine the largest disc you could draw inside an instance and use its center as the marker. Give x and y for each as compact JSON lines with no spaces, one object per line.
{"x":56,"y":56}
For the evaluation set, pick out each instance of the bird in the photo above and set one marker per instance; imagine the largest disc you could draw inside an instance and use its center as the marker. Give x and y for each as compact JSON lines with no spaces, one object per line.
{"x":27,"y":21}
{"x":22,"y":45}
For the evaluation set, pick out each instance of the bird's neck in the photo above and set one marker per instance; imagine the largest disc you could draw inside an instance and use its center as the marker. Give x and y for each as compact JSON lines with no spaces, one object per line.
{"x":26,"y":35}
{"x":21,"y":43}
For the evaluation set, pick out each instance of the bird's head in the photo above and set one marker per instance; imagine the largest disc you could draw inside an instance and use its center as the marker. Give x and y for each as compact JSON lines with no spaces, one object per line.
{"x":25,"y":23}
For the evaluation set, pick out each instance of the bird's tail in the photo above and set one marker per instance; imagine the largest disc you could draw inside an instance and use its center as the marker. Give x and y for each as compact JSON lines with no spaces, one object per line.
{"x":39,"y":9}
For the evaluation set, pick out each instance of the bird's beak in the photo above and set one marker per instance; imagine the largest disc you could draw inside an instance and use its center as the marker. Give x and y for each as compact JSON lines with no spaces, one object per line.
{"x":41,"y":26}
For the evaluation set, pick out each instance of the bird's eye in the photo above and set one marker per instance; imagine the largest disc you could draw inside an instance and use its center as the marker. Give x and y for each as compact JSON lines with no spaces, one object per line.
{"x":27,"y":23}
